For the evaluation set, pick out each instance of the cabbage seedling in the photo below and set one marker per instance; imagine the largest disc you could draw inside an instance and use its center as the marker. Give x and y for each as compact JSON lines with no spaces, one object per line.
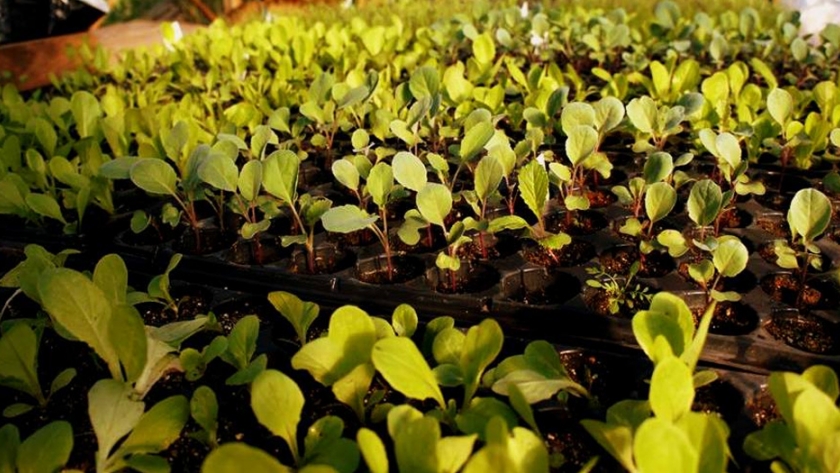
{"x":728,"y":259}
{"x":48,"y":449}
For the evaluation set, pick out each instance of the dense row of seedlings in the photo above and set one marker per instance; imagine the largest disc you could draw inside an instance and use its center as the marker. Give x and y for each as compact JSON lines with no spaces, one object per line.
{"x":199,"y":392}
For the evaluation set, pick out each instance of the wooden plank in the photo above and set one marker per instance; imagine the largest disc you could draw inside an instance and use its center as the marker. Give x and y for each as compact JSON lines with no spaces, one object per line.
{"x":31,"y":62}
{"x":35,"y":60}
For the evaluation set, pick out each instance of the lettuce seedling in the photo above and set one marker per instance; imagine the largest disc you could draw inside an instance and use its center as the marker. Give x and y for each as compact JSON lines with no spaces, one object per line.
{"x":533,"y":188}
{"x":802,"y":440}
{"x":241,"y":348}
{"x":194,"y":362}
{"x":488,"y":176}
{"x":537,"y":375}
{"x":246,"y":202}
{"x":659,"y":167}
{"x":673,"y":436}
{"x":656,"y":124}
{"x":798,"y":140}
{"x":23,"y":278}
{"x":733,"y":169}
{"x":660,"y":199}
{"x":509,"y":448}
{"x":280,"y":178}
{"x":204,"y":410}
{"x":278,"y":402}
{"x":114,"y":414}
{"x":299,"y":313}
{"x":418,"y":444}
{"x":728,"y":259}
{"x":380,"y":186}
{"x":99,"y":312}
{"x":48,"y":449}
{"x":808,"y":217}
{"x":19,"y":369}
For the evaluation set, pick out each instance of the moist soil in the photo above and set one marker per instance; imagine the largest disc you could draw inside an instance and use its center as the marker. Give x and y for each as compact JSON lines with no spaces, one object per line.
{"x":776,"y":225}
{"x":537,"y":287}
{"x":191,"y":301}
{"x":761,"y":408}
{"x":735,"y":218}
{"x":575,"y":253}
{"x":775,"y":201}
{"x":495,"y":247}
{"x":785,"y":288}
{"x":719,"y":397}
{"x":361,"y":237}
{"x":375,"y":270}
{"x":580,"y":223}
{"x":327,"y":261}
{"x":730,"y":318}
{"x":153,"y":235}
{"x":212,"y":239}
{"x":618,"y":260}
{"x":249,"y":253}
{"x":425,"y":245}
{"x":599,"y":198}
{"x":805,"y":332}
{"x":470,"y":278}
{"x":230,"y":312}
{"x":598,"y":301}
{"x":767,"y":251}
{"x":741,"y":283}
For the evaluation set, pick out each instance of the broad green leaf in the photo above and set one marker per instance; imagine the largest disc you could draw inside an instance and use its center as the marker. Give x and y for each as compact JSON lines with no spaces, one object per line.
{"x":373,"y":450}
{"x":533,"y":186}
{"x":475,"y":139}
{"x":643,"y":114}
{"x":661,"y":446}
{"x":111,"y":276}
{"x":158,"y":428}
{"x":577,"y":114}
{"x":86,"y":112}
{"x":352,"y":388}
{"x":660,"y":199}
{"x":809,"y":214}
{"x":658,"y":166}
{"x":380,"y":182}
{"x":704,"y":202}
{"x":424,"y":82}
{"x":204,"y":410}
{"x":404,"y":319}
{"x":484,"y":50}
{"x":277,"y":402}
{"x":219,"y":172}
{"x":113,"y":414}
{"x":780,"y":105}
{"x":481,"y":346}
{"x":78,"y":305}
{"x":9,"y":444}
{"x":728,"y":149}
{"x":415,"y":444}
{"x":434,"y":201}
{"x":403,"y":367}
{"x":249,"y":181}
{"x":409,"y":171}
{"x":280,"y":175}
{"x":45,"y":205}
{"x":241,"y":457}
{"x":580,"y":143}
{"x":671,"y":389}
{"x":48,"y":449}
{"x":18,"y":360}
{"x":346,"y":173}
{"x":617,"y":440}
{"x":824,"y":378}
{"x":488,"y":176}
{"x":347,"y":219}
{"x":609,"y":111}
{"x":126,"y":325}
{"x":730,"y":257}
{"x":154,"y":176}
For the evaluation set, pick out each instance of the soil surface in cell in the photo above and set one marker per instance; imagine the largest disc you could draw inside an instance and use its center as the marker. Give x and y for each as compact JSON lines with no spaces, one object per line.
{"x":805,"y":332}
{"x":573,"y":254}
{"x":730,"y":318}
{"x":375,"y":271}
{"x":576,"y":223}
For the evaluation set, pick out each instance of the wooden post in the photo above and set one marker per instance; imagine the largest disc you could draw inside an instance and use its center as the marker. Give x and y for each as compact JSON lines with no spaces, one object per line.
{"x":31,"y":62}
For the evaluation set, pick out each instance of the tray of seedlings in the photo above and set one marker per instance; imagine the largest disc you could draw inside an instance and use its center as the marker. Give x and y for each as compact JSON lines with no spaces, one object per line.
{"x":202,"y":377}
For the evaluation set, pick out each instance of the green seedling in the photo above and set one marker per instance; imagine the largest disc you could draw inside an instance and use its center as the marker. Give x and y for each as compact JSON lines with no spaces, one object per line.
{"x":620,"y":291}
{"x":728,"y":259}
{"x":802,"y":439}
{"x":23,"y":278}
{"x":241,"y":348}
{"x":115,"y":415}
{"x":48,"y":449}
{"x":204,"y":410}
{"x":808,"y":217}
{"x":19,"y":369}
{"x":299,"y":313}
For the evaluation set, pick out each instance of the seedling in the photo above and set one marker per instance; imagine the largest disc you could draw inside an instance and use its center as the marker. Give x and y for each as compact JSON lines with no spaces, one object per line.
{"x":280,"y":178}
{"x":537,"y":374}
{"x":19,"y":369}
{"x":204,"y":410}
{"x":808,"y":218}
{"x":241,"y":348}
{"x":48,"y":449}
{"x":655,"y":124}
{"x":728,"y":259}
{"x":114,"y":414}
{"x":299,"y":313}
{"x":23,"y":278}
{"x":619,"y":293}
{"x":533,"y":187}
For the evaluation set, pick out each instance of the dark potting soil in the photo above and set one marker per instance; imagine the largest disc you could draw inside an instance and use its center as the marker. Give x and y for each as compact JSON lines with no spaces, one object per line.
{"x":805,"y":332}
{"x":375,"y":271}
{"x":786,"y":288}
{"x":618,"y":260}
{"x":719,"y":397}
{"x":210,"y":240}
{"x":9,"y":258}
{"x":576,"y":223}
{"x":328,"y":260}
{"x":362,"y":237}
{"x":471,"y":278}
{"x":191,"y":301}
{"x":495,"y":247}
{"x":575,"y":253}
{"x":730,"y":318}
{"x":775,"y":201}
{"x":425,"y":245}
{"x":775,"y":224}
{"x":598,"y":301}
{"x":249,"y":252}
{"x":540,"y":287}
{"x":599,"y":198}
{"x":762,"y":408}
{"x":230,"y":312}
{"x":151,"y":236}
{"x":735,"y":218}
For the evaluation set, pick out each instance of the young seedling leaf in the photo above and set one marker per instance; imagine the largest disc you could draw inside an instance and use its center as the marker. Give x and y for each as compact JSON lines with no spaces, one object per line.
{"x":277,"y":402}
{"x":409,"y":171}
{"x":154,"y":176}
{"x":403,"y":367}
{"x":809,"y":214}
